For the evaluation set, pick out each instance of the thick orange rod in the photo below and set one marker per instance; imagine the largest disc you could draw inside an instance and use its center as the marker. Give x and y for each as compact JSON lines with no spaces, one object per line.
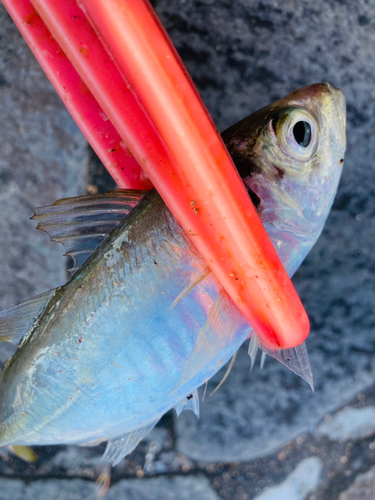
{"x":200,"y":185}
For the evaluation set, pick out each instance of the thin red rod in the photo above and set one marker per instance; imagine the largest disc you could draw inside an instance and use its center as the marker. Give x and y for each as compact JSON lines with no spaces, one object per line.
{"x":78,"y":99}
{"x":200,"y":186}
{"x":258,"y":281}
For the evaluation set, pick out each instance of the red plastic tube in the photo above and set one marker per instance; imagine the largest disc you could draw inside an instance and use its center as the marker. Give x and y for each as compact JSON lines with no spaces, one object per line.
{"x":201,"y":186}
{"x":163,"y":122}
{"x":78,"y":99}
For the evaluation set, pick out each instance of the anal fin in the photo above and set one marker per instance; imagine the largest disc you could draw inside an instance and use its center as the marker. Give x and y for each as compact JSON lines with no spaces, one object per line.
{"x":119,"y":447}
{"x":190,"y":402}
{"x":16,"y":322}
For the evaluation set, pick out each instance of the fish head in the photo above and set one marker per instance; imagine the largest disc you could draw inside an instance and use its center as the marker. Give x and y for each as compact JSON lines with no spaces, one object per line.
{"x":290,"y":156}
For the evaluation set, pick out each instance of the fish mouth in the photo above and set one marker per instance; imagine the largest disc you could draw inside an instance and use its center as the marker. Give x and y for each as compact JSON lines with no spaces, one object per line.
{"x":338,"y":98}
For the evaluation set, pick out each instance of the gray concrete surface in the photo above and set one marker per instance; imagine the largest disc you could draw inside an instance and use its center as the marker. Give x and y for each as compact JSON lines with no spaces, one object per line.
{"x":304,"y":479}
{"x":258,"y":429}
{"x":350,"y":423}
{"x":177,"y":488}
{"x":362,"y":489}
{"x":56,"y":489}
{"x":43,"y":156}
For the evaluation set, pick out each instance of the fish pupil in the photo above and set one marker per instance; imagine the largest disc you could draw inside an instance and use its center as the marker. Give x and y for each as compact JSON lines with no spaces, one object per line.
{"x":302,"y":133}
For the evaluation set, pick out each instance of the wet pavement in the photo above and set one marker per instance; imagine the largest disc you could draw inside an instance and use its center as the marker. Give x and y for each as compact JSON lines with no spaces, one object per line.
{"x":264,"y":435}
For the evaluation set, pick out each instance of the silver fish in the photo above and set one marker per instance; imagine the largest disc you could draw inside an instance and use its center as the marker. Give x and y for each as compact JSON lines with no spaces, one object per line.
{"x":143,"y":323}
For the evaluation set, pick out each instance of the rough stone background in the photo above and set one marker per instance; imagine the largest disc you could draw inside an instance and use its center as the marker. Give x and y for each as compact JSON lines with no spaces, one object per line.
{"x":263,"y":435}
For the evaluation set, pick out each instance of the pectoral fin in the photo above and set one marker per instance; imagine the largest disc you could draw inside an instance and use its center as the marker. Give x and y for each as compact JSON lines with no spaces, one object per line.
{"x":222,"y":322}
{"x":16,"y":322}
{"x":81,"y":223}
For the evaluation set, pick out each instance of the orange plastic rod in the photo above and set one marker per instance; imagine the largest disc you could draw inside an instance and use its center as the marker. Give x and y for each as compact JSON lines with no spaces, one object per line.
{"x":196,"y":176}
{"x":78,"y":99}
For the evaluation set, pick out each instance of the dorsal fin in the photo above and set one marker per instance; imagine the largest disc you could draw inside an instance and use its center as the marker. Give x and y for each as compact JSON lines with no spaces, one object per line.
{"x":16,"y":322}
{"x":118,"y":448}
{"x":296,"y":358}
{"x":81,"y":223}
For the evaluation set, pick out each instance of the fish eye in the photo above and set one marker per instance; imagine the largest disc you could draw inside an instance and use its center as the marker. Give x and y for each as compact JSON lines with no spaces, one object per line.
{"x":296,"y":132}
{"x":302,"y":133}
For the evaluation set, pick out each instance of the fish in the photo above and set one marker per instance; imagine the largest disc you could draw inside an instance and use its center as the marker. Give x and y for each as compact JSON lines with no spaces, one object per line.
{"x":143,"y":323}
